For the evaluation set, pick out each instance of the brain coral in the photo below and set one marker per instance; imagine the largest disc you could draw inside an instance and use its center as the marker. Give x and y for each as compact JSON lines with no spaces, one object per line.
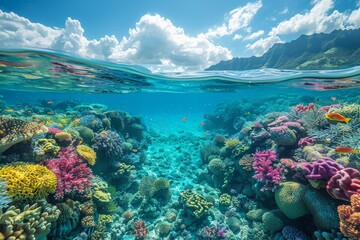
{"x":289,"y":199}
{"x":28,"y":181}
{"x":87,"y":153}
{"x":322,"y":208}
{"x":14,"y":130}
{"x":274,"y":220}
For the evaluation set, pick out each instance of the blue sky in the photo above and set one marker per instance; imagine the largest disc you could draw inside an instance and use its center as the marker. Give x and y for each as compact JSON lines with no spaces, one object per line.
{"x":168,"y":35}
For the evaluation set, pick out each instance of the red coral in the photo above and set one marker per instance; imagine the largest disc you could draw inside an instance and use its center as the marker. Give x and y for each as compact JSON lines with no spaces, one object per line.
{"x":344,"y":183}
{"x":140,"y":230}
{"x":72,"y":173}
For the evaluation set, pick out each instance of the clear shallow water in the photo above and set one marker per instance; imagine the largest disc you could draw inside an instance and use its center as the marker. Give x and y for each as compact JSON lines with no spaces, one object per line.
{"x":50,"y":71}
{"x":182,"y":113}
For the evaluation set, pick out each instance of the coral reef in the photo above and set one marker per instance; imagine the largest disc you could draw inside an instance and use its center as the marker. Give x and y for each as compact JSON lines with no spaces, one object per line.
{"x":15,"y":130}
{"x":195,"y":202}
{"x":28,"y":181}
{"x":350,"y":218}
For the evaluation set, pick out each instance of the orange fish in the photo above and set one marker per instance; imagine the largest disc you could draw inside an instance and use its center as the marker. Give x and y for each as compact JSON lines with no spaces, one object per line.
{"x":345,"y":150}
{"x":36,"y":119}
{"x":333,"y":98}
{"x":9,"y":110}
{"x":202,"y":124}
{"x":337,"y":117}
{"x":41,"y":123}
{"x":184,"y":119}
{"x":49,"y":113}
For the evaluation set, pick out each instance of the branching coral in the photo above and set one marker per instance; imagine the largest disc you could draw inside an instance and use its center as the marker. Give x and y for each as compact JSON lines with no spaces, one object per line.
{"x":195,"y":202}
{"x":109,"y":144}
{"x":28,"y":181}
{"x":350,"y":218}
{"x":14,"y":130}
{"x":30,"y":222}
{"x":73,"y":174}
{"x":265,"y":170}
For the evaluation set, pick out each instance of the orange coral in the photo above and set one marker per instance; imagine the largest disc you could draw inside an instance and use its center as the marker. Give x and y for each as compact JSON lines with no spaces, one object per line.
{"x":350,"y":218}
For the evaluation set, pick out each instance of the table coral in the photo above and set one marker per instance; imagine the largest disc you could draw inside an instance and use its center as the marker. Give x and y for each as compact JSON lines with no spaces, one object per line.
{"x":344,"y":183}
{"x":350,"y":218}
{"x":86,"y":153}
{"x":15,"y":130}
{"x":195,"y":202}
{"x":28,"y":181}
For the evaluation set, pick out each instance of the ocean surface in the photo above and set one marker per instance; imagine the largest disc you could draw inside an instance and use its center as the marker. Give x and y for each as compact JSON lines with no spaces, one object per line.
{"x":170,"y":120}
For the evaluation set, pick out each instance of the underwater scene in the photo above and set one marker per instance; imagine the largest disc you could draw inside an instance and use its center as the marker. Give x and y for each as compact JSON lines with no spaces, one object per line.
{"x":180,"y":120}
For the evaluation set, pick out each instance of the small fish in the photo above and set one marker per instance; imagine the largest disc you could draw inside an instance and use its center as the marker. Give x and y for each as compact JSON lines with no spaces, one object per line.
{"x":345,"y":150}
{"x":29,"y":111}
{"x":49,"y":102}
{"x":49,"y":113}
{"x":333,"y":98}
{"x":60,"y":125}
{"x":202,"y":124}
{"x":337,"y":117}
{"x":94,"y":122}
{"x":184,"y":119}
{"x":9,"y":110}
{"x":207,"y":133}
{"x":134,"y":150}
{"x":36,"y":119}
{"x":20,"y":111}
{"x":41,"y":123}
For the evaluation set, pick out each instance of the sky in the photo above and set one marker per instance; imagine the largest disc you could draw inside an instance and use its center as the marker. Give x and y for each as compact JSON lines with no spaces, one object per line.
{"x":163,"y":35}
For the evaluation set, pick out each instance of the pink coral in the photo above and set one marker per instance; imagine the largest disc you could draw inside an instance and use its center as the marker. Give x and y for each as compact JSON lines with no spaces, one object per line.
{"x":265,"y":171}
{"x":303,"y":108}
{"x":344,"y":183}
{"x":306,"y":141}
{"x":140,"y":230}
{"x":72,"y":173}
{"x":53,"y":130}
{"x":279,"y":120}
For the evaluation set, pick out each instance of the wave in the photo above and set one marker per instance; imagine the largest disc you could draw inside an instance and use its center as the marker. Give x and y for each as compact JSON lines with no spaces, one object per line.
{"x":48,"y":71}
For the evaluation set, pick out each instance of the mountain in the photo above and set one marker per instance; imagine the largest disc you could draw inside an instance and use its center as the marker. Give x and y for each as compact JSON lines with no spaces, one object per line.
{"x":338,"y":49}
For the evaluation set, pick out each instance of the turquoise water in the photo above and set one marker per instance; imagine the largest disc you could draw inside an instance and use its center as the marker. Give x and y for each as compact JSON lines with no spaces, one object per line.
{"x":176,"y":125}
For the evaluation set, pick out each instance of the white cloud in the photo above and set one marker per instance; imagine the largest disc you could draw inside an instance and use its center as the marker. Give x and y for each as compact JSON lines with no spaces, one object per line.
{"x":154,"y":40}
{"x":354,"y":18}
{"x":237,"y":37}
{"x":319,"y":19}
{"x":254,"y":35}
{"x":16,"y":31}
{"x":262,"y":45}
{"x":238,"y":18}
{"x":284,"y":11}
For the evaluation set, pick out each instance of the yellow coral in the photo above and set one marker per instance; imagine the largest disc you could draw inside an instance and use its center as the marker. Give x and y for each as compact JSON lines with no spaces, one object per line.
{"x":87,"y":153}
{"x":63,"y":136}
{"x":105,"y":219}
{"x":28,"y":181}
{"x":230,"y":143}
{"x":102,"y":196}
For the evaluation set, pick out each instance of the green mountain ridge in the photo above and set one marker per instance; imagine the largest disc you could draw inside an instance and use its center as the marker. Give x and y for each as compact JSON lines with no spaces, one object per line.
{"x":338,"y":49}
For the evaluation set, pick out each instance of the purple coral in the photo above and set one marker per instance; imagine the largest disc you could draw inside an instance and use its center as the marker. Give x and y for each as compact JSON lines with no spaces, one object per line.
{"x":265,"y":171}
{"x":108,"y":144}
{"x":321,"y":169}
{"x":213,"y":233}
